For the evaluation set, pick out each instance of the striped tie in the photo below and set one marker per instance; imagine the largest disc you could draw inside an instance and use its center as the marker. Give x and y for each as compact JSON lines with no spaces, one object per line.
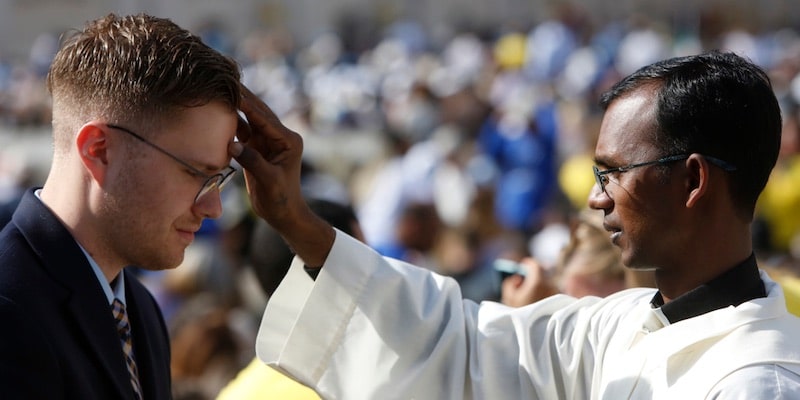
{"x":124,"y":329}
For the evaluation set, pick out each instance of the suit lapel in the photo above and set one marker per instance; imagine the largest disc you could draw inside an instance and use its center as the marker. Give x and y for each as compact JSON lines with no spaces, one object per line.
{"x":86,"y":304}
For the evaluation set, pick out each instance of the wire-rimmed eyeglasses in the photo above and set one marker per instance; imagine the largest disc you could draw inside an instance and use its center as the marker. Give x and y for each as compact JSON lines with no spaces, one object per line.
{"x":216,"y":181}
{"x":602,"y":179}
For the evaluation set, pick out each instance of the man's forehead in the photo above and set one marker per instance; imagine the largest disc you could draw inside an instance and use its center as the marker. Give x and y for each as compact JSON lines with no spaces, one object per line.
{"x":627,"y":127}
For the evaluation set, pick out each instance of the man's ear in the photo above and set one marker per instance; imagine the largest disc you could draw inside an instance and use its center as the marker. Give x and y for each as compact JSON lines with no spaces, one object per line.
{"x":92,"y":147}
{"x":698,"y":178}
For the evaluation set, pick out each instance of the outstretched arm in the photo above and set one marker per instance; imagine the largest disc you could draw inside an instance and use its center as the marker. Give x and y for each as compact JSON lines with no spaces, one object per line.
{"x":271,"y":155}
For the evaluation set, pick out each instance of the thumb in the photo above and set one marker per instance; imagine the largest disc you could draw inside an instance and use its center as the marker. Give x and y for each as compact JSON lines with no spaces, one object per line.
{"x":512,"y":282}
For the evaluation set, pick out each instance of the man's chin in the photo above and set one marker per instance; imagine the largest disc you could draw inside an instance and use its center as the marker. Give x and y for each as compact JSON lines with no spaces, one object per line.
{"x":163,"y":265}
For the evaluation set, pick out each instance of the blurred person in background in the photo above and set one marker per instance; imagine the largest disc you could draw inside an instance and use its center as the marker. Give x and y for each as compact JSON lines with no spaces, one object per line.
{"x":16,"y":176}
{"x":208,"y":347}
{"x":588,"y":265}
{"x":779,"y":206}
{"x":142,"y":115}
{"x":779,"y":211}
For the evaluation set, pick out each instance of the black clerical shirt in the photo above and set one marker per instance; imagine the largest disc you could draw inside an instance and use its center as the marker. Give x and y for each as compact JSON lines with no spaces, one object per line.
{"x":737,"y":285}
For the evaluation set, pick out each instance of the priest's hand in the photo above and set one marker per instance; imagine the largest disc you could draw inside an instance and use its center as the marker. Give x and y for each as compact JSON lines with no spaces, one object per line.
{"x":271,"y":155}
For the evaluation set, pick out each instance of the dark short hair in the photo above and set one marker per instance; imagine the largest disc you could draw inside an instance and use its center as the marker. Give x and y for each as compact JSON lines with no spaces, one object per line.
{"x":717,"y":104}
{"x":139,"y":66}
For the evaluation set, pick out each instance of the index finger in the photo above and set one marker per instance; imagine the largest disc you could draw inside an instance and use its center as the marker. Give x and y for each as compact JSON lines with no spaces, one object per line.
{"x":259,"y":115}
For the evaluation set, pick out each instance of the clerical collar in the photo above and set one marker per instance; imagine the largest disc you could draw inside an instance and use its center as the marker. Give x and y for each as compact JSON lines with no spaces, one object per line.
{"x":737,"y":285}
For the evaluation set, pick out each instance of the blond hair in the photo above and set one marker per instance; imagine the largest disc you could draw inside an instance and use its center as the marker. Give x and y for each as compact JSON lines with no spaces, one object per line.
{"x":591,"y":252}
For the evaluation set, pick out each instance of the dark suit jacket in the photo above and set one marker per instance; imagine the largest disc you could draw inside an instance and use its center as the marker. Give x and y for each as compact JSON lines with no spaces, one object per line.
{"x":58,"y":338}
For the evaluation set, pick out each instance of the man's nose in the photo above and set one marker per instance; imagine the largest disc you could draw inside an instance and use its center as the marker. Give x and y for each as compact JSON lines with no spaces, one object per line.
{"x":209,"y":205}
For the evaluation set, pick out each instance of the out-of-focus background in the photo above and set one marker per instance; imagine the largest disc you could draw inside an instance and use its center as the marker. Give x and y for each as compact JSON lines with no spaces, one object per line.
{"x":459,"y":131}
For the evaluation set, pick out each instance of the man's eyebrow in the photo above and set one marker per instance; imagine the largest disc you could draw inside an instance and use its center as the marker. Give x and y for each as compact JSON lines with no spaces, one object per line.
{"x":207,"y":168}
{"x":600,"y":161}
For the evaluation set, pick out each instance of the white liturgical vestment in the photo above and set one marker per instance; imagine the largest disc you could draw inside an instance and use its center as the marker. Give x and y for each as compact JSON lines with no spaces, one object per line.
{"x":376,"y":328}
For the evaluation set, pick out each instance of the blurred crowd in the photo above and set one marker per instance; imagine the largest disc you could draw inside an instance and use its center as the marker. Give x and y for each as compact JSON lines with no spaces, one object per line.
{"x":454,"y":150}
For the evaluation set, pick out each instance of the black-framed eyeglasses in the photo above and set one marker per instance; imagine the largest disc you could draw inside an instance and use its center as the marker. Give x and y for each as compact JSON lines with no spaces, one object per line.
{"x":216,"y":181}
{"x":602,"y":179}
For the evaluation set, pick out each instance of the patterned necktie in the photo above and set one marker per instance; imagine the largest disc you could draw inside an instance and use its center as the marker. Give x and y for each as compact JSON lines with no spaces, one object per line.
{"x":124,"y":329}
